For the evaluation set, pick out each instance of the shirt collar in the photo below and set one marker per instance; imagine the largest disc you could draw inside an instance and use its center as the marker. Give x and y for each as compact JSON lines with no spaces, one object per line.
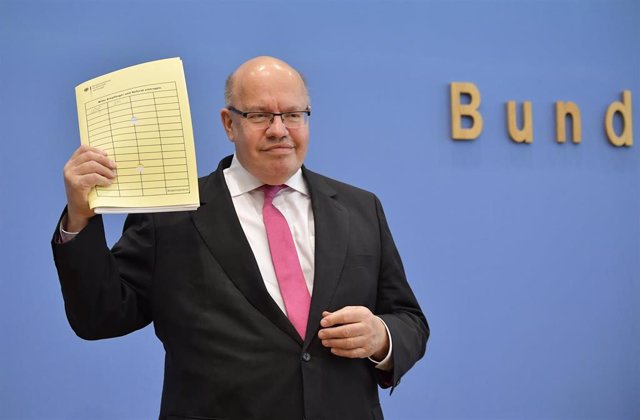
{"x":241,"y":181}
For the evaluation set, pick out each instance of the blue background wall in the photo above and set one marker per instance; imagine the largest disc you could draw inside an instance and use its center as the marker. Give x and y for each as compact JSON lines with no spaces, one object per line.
{"x":526,"y":259}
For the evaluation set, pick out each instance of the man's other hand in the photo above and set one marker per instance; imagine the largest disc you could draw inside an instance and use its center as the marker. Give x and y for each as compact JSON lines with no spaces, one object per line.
{"x":354,"y":332}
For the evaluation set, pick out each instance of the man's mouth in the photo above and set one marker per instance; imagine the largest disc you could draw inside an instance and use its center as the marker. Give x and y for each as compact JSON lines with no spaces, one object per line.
{"x":279,"y":148}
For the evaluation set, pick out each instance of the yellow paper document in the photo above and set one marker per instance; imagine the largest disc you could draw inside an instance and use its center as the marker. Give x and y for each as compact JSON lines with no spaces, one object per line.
{"x":140,"y":117}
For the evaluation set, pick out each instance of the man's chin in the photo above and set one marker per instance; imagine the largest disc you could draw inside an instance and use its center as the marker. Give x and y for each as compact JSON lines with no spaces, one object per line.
{"x":280,"y":174}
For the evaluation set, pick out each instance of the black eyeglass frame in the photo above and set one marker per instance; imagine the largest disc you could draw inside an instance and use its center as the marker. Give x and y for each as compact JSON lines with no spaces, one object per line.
{"x":245,"y":114}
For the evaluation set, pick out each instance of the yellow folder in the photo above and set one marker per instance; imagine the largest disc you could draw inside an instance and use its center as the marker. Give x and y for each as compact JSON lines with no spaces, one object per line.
{"x":140,"y":117}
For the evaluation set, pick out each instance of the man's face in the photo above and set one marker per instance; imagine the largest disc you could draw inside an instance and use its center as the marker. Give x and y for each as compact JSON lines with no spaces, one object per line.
{"x":275,"y":153}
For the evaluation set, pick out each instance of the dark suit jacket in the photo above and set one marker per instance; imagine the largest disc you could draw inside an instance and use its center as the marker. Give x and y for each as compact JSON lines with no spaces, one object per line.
{"x":230,"y":351}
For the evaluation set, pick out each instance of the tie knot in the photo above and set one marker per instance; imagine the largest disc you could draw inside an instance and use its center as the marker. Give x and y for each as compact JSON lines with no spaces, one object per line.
{"x":270,"y":191}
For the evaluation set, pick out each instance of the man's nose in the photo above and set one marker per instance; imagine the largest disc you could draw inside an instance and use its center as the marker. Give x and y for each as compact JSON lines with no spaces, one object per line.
{"x":277,"y":127}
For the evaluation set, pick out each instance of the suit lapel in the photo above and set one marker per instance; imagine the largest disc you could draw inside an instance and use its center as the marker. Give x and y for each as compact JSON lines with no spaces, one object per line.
{"x":332,"y":234}
{"x":218,"y":224}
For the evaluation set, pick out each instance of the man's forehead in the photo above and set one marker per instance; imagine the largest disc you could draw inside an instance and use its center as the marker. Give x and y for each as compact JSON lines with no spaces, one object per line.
{"x":264,"y":92}
{"x":257,"y":100}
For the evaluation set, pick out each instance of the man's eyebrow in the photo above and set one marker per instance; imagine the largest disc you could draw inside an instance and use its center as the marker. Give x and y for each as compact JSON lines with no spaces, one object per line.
{"x":256,"y":108}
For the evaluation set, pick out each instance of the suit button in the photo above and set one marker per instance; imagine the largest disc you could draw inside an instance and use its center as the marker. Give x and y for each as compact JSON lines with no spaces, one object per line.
{"x":306,"y":357}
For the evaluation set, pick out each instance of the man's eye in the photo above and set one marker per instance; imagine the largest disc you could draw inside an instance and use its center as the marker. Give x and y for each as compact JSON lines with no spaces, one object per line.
{"x":294,"y":116}
{"x":258,"y":116}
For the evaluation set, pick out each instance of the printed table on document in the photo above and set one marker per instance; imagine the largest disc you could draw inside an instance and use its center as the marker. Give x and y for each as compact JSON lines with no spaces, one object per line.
{"x":143,"y":133}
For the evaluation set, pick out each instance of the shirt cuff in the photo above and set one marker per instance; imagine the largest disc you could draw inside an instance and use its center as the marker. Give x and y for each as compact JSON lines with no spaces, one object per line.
{"x":64,"y":235}
{"x":385,"y":364}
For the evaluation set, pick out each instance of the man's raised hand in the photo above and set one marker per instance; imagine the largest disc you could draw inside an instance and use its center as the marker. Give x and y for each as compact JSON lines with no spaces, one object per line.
{"x":87,"y":167}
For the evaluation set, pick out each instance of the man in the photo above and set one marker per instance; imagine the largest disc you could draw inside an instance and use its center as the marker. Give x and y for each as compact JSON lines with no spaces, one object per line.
{"x":247,"y":336}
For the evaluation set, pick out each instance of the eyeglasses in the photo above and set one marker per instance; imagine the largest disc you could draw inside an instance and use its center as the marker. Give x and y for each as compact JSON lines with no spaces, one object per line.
{"x":293,"y":119}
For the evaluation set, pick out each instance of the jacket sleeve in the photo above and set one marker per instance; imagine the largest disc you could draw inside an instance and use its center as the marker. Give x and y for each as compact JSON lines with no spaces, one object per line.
{"x":107,"y":292}
{"x":399,"y":308}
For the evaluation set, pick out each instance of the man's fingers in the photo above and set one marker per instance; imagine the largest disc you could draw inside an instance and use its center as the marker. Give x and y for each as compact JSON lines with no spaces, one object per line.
{"x":85,"y":148}
{"x":96,"y":180}
{"x":93,"y":155}
{"x":80,"y":150}
{"x":78,"y":188}
{"x":348,"y":314}
{"x":91,"y":167}
{"x":342,"y":331}
{"x":346,"y":343}
{"x":88,"y":167}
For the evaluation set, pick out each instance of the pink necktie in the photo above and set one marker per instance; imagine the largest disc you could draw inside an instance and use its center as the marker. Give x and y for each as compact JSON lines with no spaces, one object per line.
{"x":285,"y":262}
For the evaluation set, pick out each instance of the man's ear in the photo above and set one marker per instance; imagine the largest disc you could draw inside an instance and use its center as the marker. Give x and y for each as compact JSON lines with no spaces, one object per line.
{"x":227,"y":123}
